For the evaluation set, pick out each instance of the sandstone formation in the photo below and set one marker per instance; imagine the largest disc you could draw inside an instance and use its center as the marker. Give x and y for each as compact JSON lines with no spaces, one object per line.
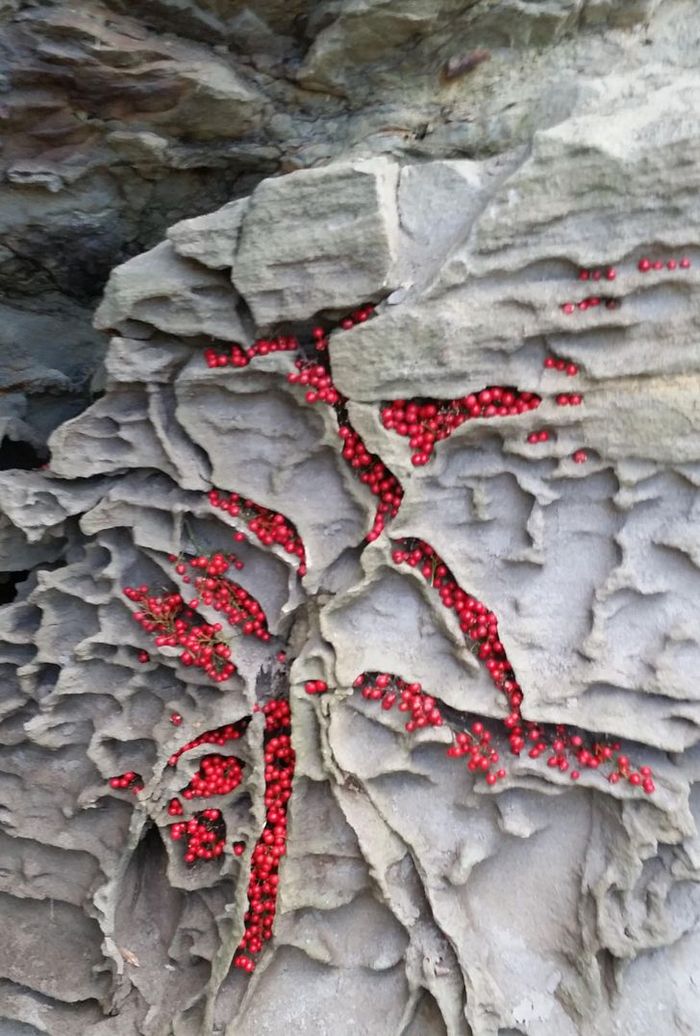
{"x":414,"y":898}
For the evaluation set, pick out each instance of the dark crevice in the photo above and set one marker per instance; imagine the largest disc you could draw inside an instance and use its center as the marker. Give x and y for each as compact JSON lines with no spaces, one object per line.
{"x":9,"y":584}
{"x":20,"y":455}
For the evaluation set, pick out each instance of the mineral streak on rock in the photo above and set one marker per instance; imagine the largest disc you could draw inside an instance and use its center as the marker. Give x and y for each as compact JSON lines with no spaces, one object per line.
{"x":461,"y":64}
{"x":413,"y":897}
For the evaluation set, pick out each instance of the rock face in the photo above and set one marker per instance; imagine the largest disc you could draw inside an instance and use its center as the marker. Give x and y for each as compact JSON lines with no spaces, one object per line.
{"x":556,"y":264}
{"x":318,"y":240}
{"x":121,"y":118}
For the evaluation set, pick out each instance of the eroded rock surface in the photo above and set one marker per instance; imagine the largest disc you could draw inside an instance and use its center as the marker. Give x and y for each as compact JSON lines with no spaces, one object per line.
{"x":120,"y":119}
{"x":414,"y":898}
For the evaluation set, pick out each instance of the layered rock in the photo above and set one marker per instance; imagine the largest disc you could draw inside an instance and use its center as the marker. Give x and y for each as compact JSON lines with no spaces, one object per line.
{"x":121,"y":118}
{"x":414,"y":897}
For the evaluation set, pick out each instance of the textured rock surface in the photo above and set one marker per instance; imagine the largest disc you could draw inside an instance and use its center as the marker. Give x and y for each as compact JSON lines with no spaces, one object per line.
{"x":319,"y":239}
{"x":121,"y":118}
{"x":414,"y":900}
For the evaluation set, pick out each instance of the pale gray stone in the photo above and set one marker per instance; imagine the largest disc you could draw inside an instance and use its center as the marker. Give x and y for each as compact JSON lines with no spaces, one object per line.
{"x":414,"y":898}
{"x":212,"y":239}
{"x":174,"y":295}
{"x":319,"y":239}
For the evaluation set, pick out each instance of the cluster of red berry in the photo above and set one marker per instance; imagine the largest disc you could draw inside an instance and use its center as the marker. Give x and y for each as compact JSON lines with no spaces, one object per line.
{"x":540,"y":436}
{"x":214,"y":565}
{"x":239,"y":356}
{"x":204,"y":834}
{"x":645,"y":264}
{"x":597,"y":274}
{"x":590,"y":302}
{"x":315,"y":376}
{"x":223,"y":595}
{"x":217,"y":775}
{"x":557,"y":364}
{"x":373,"y":473}
{"x":426,"y":422}
{"x":169,"y":619}
{"x":220,"y":736}
{"x":268,"y":526}
{"x":392,"y":691}
{"x":368,"y":467}
{"x":481,"y":626}
{"x":483,"y":757}
{"x":319,"y":381}
{"x":315,"y":686}
{"x":271,"y":845}
{"x":321,"y":335}
{"x":358,"y":316}
{"x":130,"y":780}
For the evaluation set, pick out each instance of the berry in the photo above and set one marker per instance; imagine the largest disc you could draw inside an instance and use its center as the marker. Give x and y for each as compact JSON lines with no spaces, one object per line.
{"x":171,"y":620}
{"x":315,"y":687}
{"x":480,"y":627}
{"x":537,"y":437}
{"x":269,"y":527}
{"x":127,"y":781}
{"x":425,"y":422}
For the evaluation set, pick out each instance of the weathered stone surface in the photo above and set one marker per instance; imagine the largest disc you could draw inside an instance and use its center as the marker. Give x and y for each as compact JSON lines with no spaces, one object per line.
{"x":121,"y":118}
{"x":414,"y":898}
{"x":498,"y":291}
{"x":318,"y":240}
{"x":172,"y":294}
{"x":211,"y":239}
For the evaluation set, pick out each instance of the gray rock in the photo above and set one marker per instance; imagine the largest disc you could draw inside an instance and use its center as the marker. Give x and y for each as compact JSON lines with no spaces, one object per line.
{"x":319,"y":239}
{"x":212,"y":239}
{"x":414,"y":897}
{"x":121,"y":118}
{"x":172,"y":294}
